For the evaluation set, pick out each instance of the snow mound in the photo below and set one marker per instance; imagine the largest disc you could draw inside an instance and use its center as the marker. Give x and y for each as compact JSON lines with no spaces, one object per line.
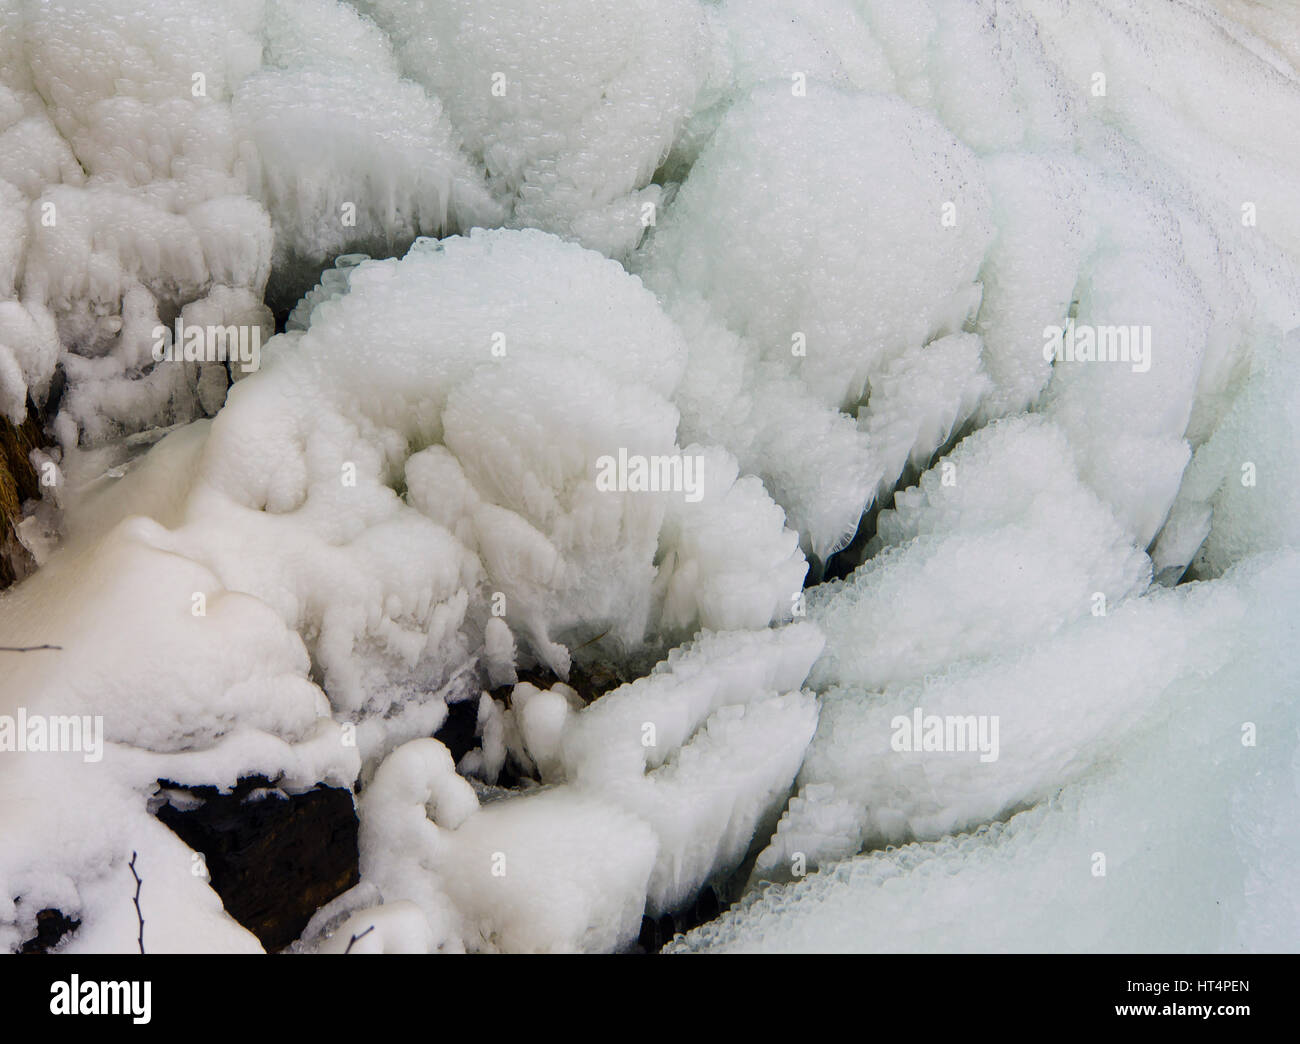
{"x":1074,"y":872}
{"x":838,"y":279}
{"x":570,"y":107}
{"x":816,"y":321}
{"x":1238,"y":496}
{"x":999,"y":544}
{"x":1001,"y":734}
{"x":366,"y":502}
{"x":348,"y":155}
{"x":492,"y":423}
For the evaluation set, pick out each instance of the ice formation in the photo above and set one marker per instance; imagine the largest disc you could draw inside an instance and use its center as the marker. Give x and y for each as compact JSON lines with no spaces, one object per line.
{"x":283,"y":515}
{"x":604,"y":330}
{"x":570,"y":127}
{"x":815,"y":327}
{"x":1179,"y":799}
{"x":620,"y":829}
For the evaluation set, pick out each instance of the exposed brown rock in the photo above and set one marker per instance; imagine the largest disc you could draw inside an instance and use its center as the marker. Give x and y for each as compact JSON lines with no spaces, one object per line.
{"x":274,"y":859}
{"x":18,"y":483}
{"x":51,"y":927}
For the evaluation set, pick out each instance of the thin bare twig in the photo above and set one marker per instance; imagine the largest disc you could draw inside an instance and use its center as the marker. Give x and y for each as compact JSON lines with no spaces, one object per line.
{"x":27,"y":648}
{"x":357,"y":938}
{"x":589,"y":641}
{"x":138,"y":915}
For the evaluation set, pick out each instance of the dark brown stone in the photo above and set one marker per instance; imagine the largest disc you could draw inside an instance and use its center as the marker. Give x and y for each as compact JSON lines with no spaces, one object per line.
{"x":18,"y":483}
{"x":459,"y":733}
{"x":51,"y":927}
{"x":274,"y":860}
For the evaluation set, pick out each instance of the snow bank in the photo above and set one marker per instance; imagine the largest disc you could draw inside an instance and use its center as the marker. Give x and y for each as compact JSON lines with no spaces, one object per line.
{"x":1075,"y":872}
{"x":1239,"y":496}
{"x":173,"y":705}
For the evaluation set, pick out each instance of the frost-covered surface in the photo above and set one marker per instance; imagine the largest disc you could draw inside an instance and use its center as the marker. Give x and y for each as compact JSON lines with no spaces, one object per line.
{"x":282,"y":515}
{"x":807,"y":251}
{"x":621,"y":828}
{"x":1180,"y":801}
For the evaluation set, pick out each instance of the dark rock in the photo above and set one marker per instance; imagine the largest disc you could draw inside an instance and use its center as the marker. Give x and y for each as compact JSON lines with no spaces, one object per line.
{"x":274,"y":858}
{"x":51,"y":927}
{"x":589,"y":681}
{"x":459,"y":733}
{"x":18,"y":483}
{"x":707,"y":907}
{"x":657,"y":932}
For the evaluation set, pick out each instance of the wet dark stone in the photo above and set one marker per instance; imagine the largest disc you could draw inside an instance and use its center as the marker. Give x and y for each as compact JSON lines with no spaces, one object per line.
{"x":707,"y":907}
{"x":51,"y":927}
{"x":54,"y":397}
{"x":274,"y":860}
{"x":657,"y":932}
{"x":459,"y":732}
